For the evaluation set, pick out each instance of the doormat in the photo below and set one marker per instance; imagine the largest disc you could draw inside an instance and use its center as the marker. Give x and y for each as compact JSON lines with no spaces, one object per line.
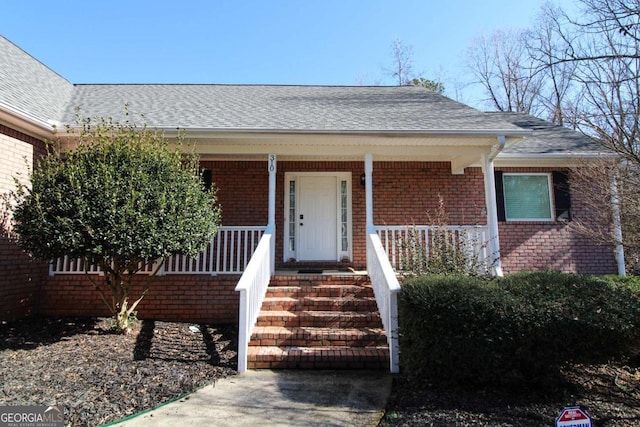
{"x":310,"y":271}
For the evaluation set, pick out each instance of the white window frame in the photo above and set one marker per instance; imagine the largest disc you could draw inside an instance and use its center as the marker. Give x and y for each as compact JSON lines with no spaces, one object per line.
{"x":549,"y":188}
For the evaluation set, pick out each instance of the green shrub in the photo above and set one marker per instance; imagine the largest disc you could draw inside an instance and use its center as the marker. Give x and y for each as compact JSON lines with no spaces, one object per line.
{"x":520,"y":328}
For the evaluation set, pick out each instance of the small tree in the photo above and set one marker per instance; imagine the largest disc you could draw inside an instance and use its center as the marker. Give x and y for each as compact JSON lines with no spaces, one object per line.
{"x":121,"y":201}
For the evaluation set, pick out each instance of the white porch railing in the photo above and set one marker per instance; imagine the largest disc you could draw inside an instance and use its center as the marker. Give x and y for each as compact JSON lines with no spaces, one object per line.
{"x":407,"y":244}
{"x":253,"y":288}
{"x":228,"y":253}
{"x":386,"y":288}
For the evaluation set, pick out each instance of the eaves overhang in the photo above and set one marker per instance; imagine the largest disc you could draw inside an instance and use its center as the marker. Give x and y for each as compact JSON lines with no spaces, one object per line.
{"x":565,"y":159}
{"x":460,"y":147}
{"x":26,"y":122}
{"x":209,"y":132}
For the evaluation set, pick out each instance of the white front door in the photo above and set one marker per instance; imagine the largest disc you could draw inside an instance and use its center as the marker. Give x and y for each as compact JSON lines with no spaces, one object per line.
{"x":318,"y":218}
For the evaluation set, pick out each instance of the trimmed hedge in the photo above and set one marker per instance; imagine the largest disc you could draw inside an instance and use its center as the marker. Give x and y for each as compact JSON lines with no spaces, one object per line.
{"x":523,"y":327}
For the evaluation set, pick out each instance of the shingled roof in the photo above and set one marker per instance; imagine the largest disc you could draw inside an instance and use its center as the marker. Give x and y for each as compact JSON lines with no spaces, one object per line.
{"x":286,"y":108}
{"x":547,"y":139}
{"x":29,"y":87}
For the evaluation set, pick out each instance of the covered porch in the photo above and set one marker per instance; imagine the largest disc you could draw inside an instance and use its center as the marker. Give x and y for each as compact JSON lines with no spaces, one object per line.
{"x":354,"y":199}
{"x":340,"y":200}
{"x":321,"y":193}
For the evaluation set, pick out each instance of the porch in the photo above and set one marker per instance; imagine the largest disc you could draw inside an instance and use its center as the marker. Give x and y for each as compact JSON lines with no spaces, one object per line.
{"x":323,"y":212}
{"x":337,"y":317}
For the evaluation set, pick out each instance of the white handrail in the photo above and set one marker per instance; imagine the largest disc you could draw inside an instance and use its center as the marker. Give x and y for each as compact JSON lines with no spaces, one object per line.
{"x":400,"y":242}
{"x":253,"y":288}
{"x":228,"y":252}
{"x":386,"y":289}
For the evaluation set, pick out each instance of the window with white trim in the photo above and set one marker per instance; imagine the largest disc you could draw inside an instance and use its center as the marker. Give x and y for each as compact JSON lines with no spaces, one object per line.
{"x":528,"y":197}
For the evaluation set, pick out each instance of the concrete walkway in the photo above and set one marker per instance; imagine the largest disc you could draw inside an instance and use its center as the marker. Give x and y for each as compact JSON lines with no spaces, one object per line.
{"x":279,"y":398}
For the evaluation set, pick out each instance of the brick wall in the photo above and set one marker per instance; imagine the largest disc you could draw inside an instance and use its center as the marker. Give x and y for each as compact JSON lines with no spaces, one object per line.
{"x":553,"y":245}
{"x":404,"y":193}
{"x":183,"y":298}
{"x":526,"y":246}
{"x":408,"y":193}
{"x":243,"y":191}
{"x":20,"y":276}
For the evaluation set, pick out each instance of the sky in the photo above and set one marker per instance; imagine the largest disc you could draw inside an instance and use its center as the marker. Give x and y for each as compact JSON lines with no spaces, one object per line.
{"x":303,"y":42}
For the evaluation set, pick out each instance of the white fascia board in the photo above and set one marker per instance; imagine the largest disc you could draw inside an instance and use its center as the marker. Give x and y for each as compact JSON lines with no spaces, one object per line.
{"x":206,"y":132}
{"x":26,"y":122}
{"x":552,"y":159}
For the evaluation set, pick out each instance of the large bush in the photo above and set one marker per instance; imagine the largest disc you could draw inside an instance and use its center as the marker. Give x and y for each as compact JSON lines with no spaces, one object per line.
{"x":520,"y":328}
{"x":123,"y":199}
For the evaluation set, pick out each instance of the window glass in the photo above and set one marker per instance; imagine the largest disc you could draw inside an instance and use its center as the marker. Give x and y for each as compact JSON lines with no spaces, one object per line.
{"x":292,"y":216}
{"x":344,"y":229}
{"x":527,"y":197}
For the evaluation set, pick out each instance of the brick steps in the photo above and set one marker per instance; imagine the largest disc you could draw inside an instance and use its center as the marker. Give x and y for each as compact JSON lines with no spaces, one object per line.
{"x":288,"y":303}
{"x":335,"y":319}
{"x":310,"y":336}
{"x":327,"y":291}
{"x":330,"y":357}
{"x":324,"y":322}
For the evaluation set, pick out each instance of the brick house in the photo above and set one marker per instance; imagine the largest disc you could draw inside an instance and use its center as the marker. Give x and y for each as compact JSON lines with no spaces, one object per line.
{"x":317,"y":178}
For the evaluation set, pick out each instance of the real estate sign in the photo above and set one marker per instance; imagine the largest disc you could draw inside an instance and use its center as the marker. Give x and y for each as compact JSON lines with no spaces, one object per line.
{"x":573,"y":417}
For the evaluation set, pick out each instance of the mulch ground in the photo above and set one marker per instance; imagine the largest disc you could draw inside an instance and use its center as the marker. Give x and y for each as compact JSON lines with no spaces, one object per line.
{"x":99,"y":377}
{"x":609,"y":393}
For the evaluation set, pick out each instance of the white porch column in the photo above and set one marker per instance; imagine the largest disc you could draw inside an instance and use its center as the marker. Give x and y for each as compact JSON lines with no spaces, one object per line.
{"x":493,"y":245}
{"x":617,"y":226}
{"x":271,"y":217}
{"x":368,"y":188}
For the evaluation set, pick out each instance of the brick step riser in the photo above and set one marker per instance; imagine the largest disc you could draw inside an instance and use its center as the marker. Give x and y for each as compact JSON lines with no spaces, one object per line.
{"x":320,"y":292}
{"x":358,"y":306}
{"x":319,"y":323}
{"x":374,"y":365}
{"x":318,"y":281}
{"x":373,"y":341}
{"x":373,"y":358}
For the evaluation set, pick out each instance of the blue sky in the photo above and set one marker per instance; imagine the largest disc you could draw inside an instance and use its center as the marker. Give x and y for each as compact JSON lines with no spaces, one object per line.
{"x":324,"y":42}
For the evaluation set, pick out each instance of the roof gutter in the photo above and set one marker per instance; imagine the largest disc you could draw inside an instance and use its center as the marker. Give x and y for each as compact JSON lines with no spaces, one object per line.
{"x":386,"y":132}
{"x":26,"y":121}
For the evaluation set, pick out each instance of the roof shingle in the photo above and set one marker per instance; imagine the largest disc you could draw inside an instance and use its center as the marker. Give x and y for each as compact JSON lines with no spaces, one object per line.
{"x":29,"y":86}
{"x":547,"y":138}
{"x":286,"y":108}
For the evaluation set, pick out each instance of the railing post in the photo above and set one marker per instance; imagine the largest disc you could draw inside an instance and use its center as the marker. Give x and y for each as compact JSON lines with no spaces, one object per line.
{"x":394,"y":343}
{"x":243,"y":338}
{"x":272,"y":207}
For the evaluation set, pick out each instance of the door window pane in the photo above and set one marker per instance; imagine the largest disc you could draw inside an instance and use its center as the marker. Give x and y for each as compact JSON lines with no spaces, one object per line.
{"x":343,"y":216}
{"x":292,"y":216}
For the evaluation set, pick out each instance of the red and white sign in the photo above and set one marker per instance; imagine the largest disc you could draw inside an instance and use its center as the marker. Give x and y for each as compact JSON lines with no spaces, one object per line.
{"x":573,"y":417}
